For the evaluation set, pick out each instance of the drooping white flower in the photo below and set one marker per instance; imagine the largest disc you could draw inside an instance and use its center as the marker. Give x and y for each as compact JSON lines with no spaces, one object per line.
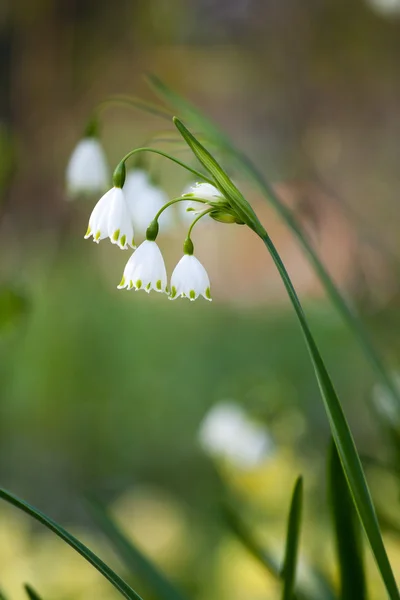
{"x":188,"y":210}
{"x":227,"y":432}
{"x":189,"y":279}
{"x":145,"y":200}
{"x":145,"y":270}
{"x":205,"y":191}
{"x":87,"y":170}
{"x":111,"y":218}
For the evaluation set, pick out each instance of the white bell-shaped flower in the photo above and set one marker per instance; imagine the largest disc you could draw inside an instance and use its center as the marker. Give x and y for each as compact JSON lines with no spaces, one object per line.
{"x":227,"y":432}
{"x":145,"y":270}
{"x":111,"y":218}
{"x":188,"y":210}
{"x":144,"y":201}
{"x":87,"y":170}
{"x":205,"y":191}
{"x":189,"y":279}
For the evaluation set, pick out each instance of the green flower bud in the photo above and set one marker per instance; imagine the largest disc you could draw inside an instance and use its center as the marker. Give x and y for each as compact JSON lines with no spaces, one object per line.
{"x":152,"y":231}
{"x":92,"y":128}
{"x":119,"y":175}
{"x":225,"y":217}
{"x":188,"y":247}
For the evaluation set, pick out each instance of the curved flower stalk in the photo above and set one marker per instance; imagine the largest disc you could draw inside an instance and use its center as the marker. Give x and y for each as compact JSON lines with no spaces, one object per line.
{"x":145,"y":270}
{"x":227,"y":432}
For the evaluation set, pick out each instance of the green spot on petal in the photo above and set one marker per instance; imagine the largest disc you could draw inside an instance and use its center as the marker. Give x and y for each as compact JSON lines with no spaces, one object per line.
{"x":158,"y":284}
{"x":115,"y":235}
{"x":173,"y":291}
{"x":122,"y":282}
{"x":148,"y":286}
{"x":138,"y":284}
{"x":192,"y":294}
{"x":97,"y":236}
{"x":123,"y":240}
{"x":208,"y":293}
{"x":130,"y":285}
{"x":88,"y":232}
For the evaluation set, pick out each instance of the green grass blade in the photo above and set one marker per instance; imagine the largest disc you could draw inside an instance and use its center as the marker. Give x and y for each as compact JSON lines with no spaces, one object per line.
{"x":133,"y":558}
{"x":339,"y":427}
{"x":217,"y":137}
{"x":265,"y":557}
{"x":94,"y":560}
{"x":347,"y":532}
{"x":292,"y":541}
{"x":31,"y":593}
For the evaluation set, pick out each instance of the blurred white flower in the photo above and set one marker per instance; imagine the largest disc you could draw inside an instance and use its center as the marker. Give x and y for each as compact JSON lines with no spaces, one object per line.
{"x":111,"y":218}
{"x":385,"y":403}
{"x":87,"y":170}
{"x":145,"y":200}
{"x":189,"y":279}
{"x":385,"y":7}
{"x":145,"y":270}
{"x":227,"y":432}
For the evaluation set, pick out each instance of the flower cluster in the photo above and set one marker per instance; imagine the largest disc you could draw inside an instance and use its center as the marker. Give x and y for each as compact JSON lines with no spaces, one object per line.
{"x":136,"y":205}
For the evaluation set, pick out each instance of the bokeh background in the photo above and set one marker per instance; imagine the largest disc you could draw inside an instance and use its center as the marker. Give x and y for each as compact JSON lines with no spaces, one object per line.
{"x":102,"y":392}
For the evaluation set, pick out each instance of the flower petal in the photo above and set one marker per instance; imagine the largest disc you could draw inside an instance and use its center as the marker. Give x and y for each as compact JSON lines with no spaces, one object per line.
{"x":120,"y":229}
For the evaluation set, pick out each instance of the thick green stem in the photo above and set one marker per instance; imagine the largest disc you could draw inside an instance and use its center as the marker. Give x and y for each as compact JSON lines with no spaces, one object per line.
{"x":340,"y":429}
{"x":340,"y":303}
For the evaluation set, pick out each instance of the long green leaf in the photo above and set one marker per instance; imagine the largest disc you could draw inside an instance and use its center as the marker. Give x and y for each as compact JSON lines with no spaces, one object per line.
{"x":292,"y":541}
{"x":134,"y":559}
{"x":222,"y":141}
{"x":347,"y":532}
{"x":94,"y":560}
{"x":260,"y":552}
{"x":31,"y":593}
{"x":339,"y":427}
